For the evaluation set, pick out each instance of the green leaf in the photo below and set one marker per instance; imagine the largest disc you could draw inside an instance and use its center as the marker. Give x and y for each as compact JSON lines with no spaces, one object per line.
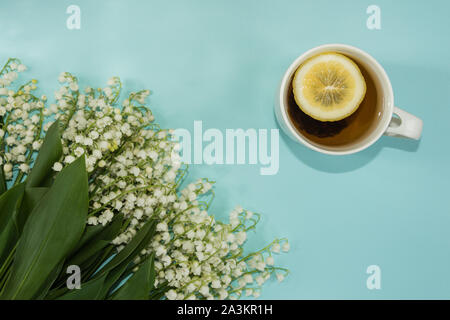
{"x":10,"y":202}
{"x":113,"y":279}
{"x":51,"y":232}
{"x":114,"y":270}
{"x":89,"y":251}
{"x":12,"y":219}
{"x":140,"y":284}
{"x":2,"y":181}
{"x":134,"y":247}
{"x":95,"y":289}
{"x":92,"y":265}
{"x":30,"y":199}
{"x":93,"y":243}
{"x":89,"y":291}
{"x":108,"y":275}
{"x":159,"y":292}
{"x":49,"y":282}
{"x":50,"y":152}
{"x":89,"y":233}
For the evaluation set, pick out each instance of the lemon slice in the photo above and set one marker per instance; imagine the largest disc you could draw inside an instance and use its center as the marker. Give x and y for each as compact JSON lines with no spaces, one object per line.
{"x":329,"y":87}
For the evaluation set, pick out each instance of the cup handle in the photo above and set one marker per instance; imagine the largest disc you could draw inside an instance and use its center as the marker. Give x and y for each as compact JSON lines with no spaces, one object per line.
{"x":405,"y":126}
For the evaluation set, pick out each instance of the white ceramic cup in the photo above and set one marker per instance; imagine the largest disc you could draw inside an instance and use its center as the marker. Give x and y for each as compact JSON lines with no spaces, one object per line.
{"x":405,"y":125}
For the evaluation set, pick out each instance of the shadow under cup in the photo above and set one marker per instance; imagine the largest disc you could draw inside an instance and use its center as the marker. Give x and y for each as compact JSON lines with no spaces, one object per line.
{"x":360,"y":129}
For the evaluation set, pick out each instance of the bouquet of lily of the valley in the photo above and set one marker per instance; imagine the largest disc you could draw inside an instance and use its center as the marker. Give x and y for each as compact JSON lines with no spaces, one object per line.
{"x":92,"y":187}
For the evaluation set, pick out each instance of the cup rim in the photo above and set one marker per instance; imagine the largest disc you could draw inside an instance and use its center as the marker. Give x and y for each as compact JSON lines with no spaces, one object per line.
{"x":374,"y":63}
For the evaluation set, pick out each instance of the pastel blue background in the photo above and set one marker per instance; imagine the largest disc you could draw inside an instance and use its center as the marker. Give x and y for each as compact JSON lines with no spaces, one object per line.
{"x":220,"y":62}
